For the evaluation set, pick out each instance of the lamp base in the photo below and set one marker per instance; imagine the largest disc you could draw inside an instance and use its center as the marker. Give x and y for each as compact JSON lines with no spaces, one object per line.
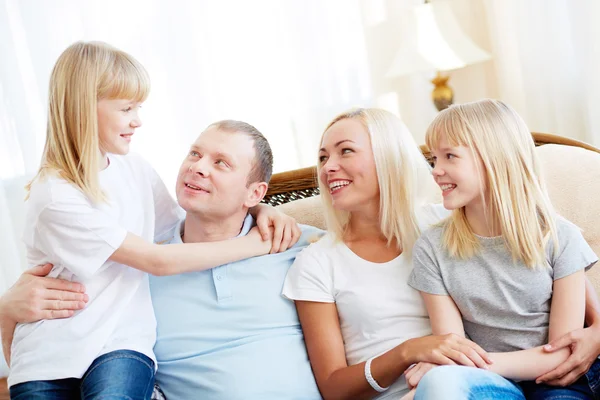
{"x":442,"y":94}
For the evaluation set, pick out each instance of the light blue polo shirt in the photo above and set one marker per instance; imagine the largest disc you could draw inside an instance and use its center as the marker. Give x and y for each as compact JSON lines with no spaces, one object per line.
{"x":227,"y":333}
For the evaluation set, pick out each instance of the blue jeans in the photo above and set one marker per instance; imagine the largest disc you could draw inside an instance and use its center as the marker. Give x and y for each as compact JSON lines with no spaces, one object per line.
{"x":121,"y":374}
{"x":451,"y":382}
{"x":586,"y":387}
{"x":456,"y":382}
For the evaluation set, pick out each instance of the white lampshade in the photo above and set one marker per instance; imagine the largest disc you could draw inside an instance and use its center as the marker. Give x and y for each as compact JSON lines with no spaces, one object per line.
{"x":437,"y":43}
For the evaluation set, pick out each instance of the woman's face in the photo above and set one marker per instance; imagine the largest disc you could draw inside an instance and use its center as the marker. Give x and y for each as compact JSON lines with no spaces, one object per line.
{"x":347,"y":166}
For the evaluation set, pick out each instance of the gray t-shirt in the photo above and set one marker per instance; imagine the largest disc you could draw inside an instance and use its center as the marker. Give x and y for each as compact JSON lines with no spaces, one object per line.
{"x":504,"y":306}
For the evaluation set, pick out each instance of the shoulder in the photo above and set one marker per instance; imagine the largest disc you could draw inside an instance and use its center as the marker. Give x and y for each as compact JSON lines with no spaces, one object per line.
{"x":173,"y":235}
{"x":319,"y":242}
{"x":310,"y":235}
{"x":130,"y":160}
{"x":431,"y":214}
{"x":565,"y":228}
{"x":569,"y":235}
{"x":53,"y":190}
{"x":431,"y":235}
{"x":321,"y":250}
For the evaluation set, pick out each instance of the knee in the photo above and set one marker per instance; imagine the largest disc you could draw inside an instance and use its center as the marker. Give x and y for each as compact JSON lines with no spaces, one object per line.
{"x":457,"y":382}
{"x":443,"y":382}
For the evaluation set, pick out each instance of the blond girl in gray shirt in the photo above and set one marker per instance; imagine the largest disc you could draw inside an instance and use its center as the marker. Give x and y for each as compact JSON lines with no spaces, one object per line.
{"x":503,"y":269}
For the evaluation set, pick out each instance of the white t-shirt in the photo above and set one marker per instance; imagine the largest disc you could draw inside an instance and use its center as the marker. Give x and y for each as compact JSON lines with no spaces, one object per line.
{"x":376,"y":307}
{"x":64,"y":228}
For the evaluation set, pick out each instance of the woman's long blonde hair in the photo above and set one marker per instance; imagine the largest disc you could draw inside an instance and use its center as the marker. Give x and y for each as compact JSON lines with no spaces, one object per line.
{"x":516,"y":193}
{"x":83,"y":74}
{"x":403,"y":175}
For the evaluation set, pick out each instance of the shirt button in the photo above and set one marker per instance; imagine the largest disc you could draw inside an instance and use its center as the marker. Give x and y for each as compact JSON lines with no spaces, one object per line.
{"x":219,"y":277}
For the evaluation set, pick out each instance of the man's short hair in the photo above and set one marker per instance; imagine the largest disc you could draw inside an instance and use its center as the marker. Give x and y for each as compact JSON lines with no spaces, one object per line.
{"x":263,"y":159}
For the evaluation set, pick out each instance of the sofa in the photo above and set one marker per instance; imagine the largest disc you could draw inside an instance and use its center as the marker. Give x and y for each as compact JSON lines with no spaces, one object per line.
{"x":571,"y":171}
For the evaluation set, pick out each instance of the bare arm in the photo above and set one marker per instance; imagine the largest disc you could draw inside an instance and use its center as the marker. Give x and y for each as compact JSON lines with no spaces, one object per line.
{"x":7,"y":330}
{"x":566,"y":314}
{"x":179,"y":258}
{"x":592,"y":305}
{"x":583,"y":343}
{"x":567,"y":311}
{"x":337,"y":380}
{"x":524,"y":364}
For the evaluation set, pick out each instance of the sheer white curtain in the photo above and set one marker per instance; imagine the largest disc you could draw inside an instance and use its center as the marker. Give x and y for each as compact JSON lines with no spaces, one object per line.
{"x":547,"y":58}
{"x":286,"y":67}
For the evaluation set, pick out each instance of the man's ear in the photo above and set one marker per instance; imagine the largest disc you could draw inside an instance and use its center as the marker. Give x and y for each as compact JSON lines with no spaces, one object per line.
{"x":256,"y":192}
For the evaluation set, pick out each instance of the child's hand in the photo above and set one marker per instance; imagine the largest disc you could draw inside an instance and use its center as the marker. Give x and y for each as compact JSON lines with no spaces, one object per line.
{"x":409,"y":396}
{"x":275,"y":225}
{"x":416,"y":372}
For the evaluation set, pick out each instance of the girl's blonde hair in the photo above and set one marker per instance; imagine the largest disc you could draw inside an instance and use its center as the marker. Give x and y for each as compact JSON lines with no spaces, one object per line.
{"x":83,"y":74}
{"x":403,"y":175}
{"x":517,"y":195}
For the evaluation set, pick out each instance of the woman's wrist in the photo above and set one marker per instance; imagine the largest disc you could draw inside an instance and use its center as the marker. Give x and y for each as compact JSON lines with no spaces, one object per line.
{"x":4,"y":317}
{"x":403,"y":354}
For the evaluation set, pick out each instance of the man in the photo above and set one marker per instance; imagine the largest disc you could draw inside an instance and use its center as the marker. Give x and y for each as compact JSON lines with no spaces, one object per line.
{"x":226,"y":333}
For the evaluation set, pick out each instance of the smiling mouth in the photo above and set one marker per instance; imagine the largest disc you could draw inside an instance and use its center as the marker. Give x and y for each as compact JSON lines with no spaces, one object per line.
{"x":447,"y":188}
{"x":196,"y":188}
{"x":338,"y":185}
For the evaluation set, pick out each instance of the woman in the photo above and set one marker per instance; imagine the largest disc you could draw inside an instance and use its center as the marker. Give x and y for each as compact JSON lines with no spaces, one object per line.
{"x":363,"y":325}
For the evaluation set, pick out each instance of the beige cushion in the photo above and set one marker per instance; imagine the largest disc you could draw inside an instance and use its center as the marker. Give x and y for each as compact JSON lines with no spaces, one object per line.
{"x":306,"y":211}
{"x":573,"y":178}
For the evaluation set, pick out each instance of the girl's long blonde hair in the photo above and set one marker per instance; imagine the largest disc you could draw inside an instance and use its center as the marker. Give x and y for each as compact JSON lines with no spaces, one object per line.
{"x":515,"y":190}
{"x":403,"y":175}
{"x":83,"y":74}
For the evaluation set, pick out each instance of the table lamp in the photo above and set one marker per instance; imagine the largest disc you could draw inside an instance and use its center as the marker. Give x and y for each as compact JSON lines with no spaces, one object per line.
{"x":437,"y":43}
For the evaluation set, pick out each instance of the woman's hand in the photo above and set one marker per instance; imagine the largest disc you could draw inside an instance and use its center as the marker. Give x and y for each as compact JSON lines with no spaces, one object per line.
{"x":446,"y":350}
{"x":275,"y":225}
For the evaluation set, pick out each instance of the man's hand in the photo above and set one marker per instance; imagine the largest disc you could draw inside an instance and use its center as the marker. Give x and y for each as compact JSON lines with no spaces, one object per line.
{"x":284,"y":228}
{"x":585,"y":348}
{"x":34,"y":297}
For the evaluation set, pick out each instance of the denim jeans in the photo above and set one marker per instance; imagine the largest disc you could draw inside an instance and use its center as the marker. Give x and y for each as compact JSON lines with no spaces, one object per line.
{"x":121,"y":374}
{"x":456,"y":382}
{"x":451,"y":382}
{"x":586,"y":387}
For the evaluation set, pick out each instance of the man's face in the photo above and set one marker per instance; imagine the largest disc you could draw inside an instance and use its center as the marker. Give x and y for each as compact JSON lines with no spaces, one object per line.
{"x":213,"y":178}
